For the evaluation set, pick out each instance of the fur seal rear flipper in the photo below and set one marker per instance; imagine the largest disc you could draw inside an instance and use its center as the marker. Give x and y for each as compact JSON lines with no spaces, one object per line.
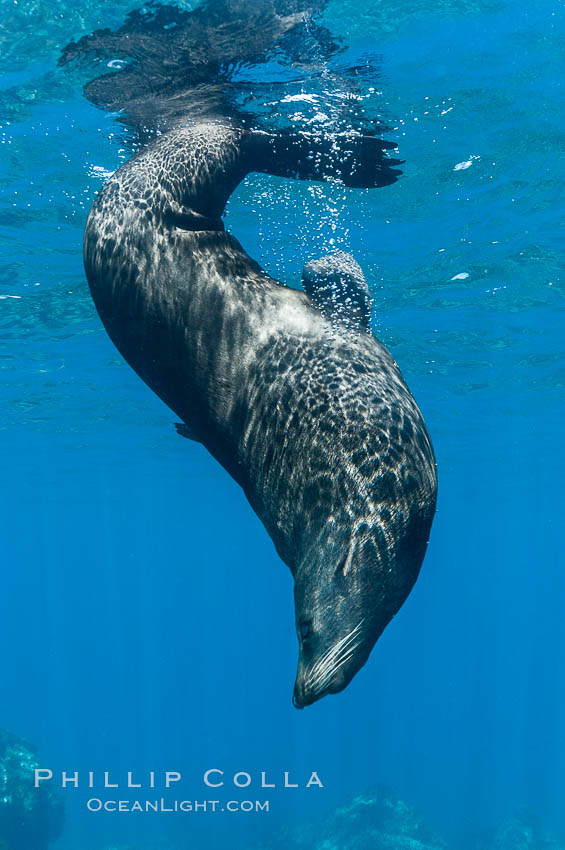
{"x":311,"y":416}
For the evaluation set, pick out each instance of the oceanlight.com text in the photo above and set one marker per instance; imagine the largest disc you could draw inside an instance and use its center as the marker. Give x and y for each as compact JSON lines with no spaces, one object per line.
{"x":186,"y":806}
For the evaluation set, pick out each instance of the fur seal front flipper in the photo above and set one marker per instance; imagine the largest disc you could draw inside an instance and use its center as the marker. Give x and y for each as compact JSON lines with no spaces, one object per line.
{"x":311,"y":417}
{"x":337,"y":287}
{"x":183,"y":430}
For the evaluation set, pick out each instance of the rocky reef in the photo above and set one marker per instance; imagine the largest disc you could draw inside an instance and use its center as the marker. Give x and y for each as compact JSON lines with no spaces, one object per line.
{"x":30,"y":818}
{"x":515,"y":834}
{"x":377,"y":820}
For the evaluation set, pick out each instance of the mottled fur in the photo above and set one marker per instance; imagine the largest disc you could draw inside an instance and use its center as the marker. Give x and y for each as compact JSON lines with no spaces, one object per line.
{"x":310,"y":416}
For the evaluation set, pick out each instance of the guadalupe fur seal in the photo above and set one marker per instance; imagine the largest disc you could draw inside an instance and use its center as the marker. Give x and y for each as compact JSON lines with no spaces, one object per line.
{"x":290,"y":391}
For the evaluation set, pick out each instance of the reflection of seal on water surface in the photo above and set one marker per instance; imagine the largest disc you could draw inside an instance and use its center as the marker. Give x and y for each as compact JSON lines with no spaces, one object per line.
{"x":304,"y":408}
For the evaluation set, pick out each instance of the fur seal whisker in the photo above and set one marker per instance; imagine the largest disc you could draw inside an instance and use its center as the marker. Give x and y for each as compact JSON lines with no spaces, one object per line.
{"x":326,"y":674}
{"x":320,"y":687}
{"x":334,"y":657}
{"x":336,"y":648}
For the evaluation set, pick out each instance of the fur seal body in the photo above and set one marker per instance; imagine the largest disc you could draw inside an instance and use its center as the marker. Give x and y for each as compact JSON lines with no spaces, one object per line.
{"x":291,"y":392}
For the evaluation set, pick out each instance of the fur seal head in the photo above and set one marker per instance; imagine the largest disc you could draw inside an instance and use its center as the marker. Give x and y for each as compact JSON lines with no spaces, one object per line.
{"x":347,"y":590}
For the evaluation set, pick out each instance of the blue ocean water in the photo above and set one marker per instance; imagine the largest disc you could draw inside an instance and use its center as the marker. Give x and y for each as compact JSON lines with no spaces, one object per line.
{"x":146,"y":620}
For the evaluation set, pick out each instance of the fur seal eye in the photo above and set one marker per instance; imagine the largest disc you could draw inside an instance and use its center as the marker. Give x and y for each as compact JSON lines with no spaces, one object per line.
{"x":304,"y":630}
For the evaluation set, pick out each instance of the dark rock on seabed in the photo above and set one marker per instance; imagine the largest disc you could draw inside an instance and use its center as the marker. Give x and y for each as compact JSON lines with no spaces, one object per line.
{"x":377,"y":820}
{"x":516,"y":834}
{"x":30,"y":818}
